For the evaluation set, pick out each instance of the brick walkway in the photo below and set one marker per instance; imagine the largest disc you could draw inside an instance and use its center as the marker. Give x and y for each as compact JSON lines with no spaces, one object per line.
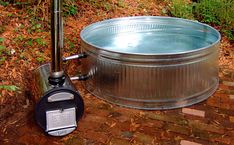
{"x":209,"y":122}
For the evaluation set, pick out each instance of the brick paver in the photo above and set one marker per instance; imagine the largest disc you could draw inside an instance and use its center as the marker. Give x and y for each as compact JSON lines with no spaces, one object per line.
{"x":208,"y":122}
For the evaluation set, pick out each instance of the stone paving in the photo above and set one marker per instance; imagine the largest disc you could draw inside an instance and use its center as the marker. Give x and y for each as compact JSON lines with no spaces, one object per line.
{"x":209,"y":122}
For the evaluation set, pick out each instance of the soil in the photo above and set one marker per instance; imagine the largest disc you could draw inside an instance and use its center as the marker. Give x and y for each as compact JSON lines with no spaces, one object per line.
{"x":27,"y":46}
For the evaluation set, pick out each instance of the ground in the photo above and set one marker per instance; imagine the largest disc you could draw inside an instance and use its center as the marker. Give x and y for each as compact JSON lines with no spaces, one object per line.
{"x":26,"y":44}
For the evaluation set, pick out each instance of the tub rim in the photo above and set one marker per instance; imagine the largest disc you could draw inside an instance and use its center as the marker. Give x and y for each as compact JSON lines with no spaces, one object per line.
{"x":110,"y":52}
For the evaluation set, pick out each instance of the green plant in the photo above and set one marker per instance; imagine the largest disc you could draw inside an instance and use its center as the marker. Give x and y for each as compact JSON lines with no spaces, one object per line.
{"x":16,"y":3}
{"x":206,"y":10}
{"x":2,"y":29}
{"x":182,"y":9}
{"x":37,"y":25}
{"x":229,"y":33}
{"x":40,"y":41}
{"x":19,"y":38}
{"x":40,"y":59}
{"x":70,"y":10}
{"x":120,"y":3}
{"x":2,"y":49}
{"x":218,"y":12}
{"x":1,"y":40}
{"x":9,"y":87}
{"x":21,"y":4}
{"x":9,"y":15}
{"x":30,"y":42}
{"x":3,"y":3}
{"x":107,"y":6}
{"x":71,"y":45}
{"x":2,"y":59}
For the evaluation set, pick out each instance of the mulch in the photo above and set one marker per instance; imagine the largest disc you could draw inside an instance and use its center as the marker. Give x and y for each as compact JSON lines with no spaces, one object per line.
{"x":103,"y":123}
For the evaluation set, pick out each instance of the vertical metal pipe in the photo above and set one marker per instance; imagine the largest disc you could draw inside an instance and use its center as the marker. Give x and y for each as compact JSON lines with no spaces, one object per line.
{"x":57,"y":39}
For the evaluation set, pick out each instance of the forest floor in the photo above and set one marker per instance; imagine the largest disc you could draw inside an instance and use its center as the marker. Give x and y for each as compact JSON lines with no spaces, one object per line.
{"x":25,"y":45}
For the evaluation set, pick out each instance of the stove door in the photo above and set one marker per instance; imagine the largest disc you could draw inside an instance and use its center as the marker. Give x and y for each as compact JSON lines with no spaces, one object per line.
{"x":61,"y":122}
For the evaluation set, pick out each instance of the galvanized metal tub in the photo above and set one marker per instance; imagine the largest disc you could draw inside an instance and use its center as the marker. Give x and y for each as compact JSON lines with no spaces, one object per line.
{"x":150,"y":62}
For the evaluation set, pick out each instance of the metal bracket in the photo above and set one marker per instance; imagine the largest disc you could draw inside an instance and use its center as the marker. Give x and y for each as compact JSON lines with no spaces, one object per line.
{"x":80,"y":78}
{"x":77,"y":56}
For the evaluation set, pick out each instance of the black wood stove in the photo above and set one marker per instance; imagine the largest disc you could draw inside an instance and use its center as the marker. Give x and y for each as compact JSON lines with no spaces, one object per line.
{"x":58,"y":105}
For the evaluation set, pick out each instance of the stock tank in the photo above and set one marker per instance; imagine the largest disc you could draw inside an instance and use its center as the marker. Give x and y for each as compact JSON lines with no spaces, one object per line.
{"x":150,"y":62}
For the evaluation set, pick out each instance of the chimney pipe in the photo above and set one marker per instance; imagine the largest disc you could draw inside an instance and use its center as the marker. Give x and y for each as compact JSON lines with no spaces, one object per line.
{"x":57,"y":73}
